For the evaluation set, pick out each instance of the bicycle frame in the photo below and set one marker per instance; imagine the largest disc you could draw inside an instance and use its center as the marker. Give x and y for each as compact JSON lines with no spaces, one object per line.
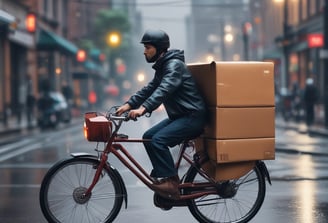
{"x":115,"y":147}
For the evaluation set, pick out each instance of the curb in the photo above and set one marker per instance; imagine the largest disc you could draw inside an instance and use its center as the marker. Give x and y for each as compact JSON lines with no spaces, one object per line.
{"x":298,"y":152}
{"x":10,"y":131}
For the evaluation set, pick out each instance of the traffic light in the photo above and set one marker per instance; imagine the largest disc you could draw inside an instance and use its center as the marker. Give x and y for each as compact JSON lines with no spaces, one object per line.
{"x":30,"y":22}
{"x":81,"y":56}
{"x":102,"y":57}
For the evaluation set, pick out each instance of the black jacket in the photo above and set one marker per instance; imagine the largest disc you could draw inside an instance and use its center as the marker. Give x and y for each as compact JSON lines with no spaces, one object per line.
{"x":173,"y":86}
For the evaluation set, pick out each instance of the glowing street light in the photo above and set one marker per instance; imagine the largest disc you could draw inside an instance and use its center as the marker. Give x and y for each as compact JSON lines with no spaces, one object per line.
{"x":228,"y":37}
{"x":141,"y":77}
{"x":114,"y":39}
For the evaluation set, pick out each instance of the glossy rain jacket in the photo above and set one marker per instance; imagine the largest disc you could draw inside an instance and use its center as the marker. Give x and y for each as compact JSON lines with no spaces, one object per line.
{"x":172,"y":86}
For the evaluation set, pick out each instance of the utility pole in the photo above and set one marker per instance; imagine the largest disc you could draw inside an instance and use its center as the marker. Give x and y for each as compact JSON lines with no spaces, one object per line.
{"x":324,"y":56}
{"x":285,"y":61}
{"x":245,"y":40}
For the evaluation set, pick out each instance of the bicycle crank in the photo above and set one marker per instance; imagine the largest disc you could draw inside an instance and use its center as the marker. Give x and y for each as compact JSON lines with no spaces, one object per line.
{"x":167,"y":204}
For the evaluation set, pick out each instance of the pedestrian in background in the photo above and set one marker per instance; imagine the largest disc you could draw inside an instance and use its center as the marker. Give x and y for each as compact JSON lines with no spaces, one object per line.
{"x":30,"y":103}
{"x":310,"y":98}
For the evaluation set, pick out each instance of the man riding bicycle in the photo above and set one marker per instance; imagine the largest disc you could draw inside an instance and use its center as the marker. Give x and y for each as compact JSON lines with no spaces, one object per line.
{"x":174,"y":87}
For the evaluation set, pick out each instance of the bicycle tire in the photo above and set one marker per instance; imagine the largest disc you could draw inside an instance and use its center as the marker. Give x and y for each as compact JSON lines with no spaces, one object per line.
{"x":238,"y":208}
{"x":65,"y":181}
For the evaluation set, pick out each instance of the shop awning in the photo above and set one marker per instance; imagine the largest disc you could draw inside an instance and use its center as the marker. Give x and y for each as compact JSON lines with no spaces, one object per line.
{"x":50,"y":41}
{"x":274,"y":53}
{"x":299,"y":47}
{"x":6,"y":18}
{"x":89,"y":69}
{"x":95,"y":68}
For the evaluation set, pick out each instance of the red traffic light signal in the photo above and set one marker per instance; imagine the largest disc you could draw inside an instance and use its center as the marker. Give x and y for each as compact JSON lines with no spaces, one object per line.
{"x":102,"y":57}
{"x":81,"y":56}
{"x":30,"y":22}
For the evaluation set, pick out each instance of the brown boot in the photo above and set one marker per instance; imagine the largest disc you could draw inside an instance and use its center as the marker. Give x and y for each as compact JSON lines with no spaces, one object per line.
{"x":168,"y":187}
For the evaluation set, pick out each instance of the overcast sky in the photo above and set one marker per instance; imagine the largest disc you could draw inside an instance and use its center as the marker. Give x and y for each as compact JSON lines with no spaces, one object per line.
{"x":168,"y":15}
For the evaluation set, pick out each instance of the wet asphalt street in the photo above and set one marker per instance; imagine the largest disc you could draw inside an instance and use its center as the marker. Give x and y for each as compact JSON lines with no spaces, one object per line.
{"x":298,"y":192}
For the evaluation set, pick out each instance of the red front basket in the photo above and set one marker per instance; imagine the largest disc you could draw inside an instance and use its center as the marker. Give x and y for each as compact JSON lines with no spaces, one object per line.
{"x":96,"y":127}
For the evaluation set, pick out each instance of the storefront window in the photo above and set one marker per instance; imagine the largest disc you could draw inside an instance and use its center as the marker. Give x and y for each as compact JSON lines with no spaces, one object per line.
{"x":293,"y":68}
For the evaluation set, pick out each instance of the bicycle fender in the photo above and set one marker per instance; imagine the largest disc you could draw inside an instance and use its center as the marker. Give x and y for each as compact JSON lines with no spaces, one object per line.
{"x":264,"y":170}
{"x":113,"y":169}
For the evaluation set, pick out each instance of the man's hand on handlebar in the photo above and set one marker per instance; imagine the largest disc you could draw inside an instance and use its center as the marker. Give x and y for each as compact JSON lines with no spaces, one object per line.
{"x":122,"y":109}
{"x":133,"y":114}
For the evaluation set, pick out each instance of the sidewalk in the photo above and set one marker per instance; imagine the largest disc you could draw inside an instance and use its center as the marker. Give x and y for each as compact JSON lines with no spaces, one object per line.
{"x":14,"y":127}
{"x":301,"y":127}
{"x":315,"y":130}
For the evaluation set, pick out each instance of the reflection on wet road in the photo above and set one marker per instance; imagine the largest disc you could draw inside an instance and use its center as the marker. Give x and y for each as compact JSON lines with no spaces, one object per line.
{"x":298,"y":194}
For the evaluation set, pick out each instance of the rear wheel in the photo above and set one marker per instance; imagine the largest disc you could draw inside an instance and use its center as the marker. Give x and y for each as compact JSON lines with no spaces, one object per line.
{"x":62,"y":192}
{"x":236,"y":201}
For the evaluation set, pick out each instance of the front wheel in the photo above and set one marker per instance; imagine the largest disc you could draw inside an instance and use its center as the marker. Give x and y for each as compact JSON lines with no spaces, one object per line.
{"x":62,"y":193}
{"x":237,"y":200}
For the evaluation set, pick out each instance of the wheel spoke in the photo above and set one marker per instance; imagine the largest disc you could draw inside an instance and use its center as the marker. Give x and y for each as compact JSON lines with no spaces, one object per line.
{"x":237,"y":201}
{"x":62,"y":193}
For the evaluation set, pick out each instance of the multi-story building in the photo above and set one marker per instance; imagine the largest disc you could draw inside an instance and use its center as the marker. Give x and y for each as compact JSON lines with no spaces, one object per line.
{"x":301,"y":42}
{"x":17,"y":59}
{"x":214,"y":30}
{"x":33,"y":50}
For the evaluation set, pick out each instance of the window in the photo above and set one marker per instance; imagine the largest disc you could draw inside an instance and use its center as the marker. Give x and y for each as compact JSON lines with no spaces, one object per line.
{"x":45,"y":7}
{"x":293,"y":12}
{"x":304,"y":9}
{"x":55,"y":9}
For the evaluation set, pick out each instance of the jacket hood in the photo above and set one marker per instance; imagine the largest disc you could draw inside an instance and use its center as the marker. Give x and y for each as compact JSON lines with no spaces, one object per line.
{"x":170,"y":54}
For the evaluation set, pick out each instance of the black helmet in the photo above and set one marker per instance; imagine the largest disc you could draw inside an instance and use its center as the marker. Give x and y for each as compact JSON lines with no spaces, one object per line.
{"x":158,"y":38}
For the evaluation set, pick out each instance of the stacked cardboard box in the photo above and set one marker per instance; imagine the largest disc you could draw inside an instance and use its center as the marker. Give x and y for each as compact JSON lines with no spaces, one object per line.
{"x":241,"y":103}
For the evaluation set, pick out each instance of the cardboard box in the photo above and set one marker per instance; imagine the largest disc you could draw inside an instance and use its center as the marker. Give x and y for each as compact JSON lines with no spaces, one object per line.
{"x":235,"y":84}
{"x":240,"y":123}
{"x":236,"y":150}
{"x":227,"y":171}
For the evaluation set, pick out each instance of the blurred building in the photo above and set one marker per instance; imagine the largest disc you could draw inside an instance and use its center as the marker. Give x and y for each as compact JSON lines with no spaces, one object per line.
{"x":18,"y":62}
{"x":89,"y":75}
{"x":287,"y":32}
{"x":38,"y":42}
{"x":294,"y":40}
{"x":214,"y":30}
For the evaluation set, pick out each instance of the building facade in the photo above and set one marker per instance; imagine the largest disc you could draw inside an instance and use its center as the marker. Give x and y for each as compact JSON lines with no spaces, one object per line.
{"x":300,"y":44}
{"x":35,"y":53}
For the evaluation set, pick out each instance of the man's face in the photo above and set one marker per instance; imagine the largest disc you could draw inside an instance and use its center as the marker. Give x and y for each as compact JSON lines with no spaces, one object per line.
{"x":149,"y":52}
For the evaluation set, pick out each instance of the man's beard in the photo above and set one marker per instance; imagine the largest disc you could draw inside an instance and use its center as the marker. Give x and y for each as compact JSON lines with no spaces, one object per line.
{"x":153,"y":58}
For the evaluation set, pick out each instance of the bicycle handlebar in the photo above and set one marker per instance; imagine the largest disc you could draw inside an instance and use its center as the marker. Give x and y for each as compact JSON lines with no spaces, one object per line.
{"x":118,"y":118}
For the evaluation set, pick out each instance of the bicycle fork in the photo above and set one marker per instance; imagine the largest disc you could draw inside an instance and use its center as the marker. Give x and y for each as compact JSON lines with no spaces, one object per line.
{"x":100,"y":167}
{"x":103,"y":164}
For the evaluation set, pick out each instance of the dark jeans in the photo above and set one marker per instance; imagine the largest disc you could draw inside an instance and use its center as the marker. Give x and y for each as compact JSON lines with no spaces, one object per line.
{"x":169,"y":133}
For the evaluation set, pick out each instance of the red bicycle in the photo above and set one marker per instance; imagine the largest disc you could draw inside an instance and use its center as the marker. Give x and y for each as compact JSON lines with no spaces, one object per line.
{"x":86,"y":188}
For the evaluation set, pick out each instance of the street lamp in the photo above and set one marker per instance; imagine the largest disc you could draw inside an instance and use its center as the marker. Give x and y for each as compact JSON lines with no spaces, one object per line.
{"x":141,"y":77}
{"x":114,"y":39}
{"x":228,"y":37}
